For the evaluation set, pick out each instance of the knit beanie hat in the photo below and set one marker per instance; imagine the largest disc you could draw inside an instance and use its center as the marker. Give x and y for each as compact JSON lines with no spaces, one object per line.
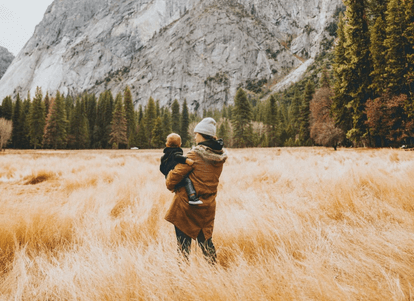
{"x":207,"y":126}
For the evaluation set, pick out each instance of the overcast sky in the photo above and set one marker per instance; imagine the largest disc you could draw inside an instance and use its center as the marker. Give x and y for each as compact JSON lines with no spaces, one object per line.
{"x":18,"y":19}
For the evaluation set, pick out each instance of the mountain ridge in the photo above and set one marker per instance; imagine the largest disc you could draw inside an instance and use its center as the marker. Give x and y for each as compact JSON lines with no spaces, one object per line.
{"x":198,"y":50}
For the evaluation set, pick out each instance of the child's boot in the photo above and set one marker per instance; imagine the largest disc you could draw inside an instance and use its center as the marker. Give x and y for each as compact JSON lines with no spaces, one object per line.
{"x":194,"y":200}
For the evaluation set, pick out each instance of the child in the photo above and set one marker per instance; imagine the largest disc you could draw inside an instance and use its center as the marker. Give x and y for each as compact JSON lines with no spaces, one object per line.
{"x":173,"y":154}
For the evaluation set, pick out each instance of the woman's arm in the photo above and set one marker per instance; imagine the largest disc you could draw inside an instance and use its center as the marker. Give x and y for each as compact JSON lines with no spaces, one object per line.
{"x":177,"y":174}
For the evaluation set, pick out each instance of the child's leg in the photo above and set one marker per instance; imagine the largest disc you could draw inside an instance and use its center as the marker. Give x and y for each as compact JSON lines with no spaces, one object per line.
{"x":192,"y":194}
{"x":189,"y":187}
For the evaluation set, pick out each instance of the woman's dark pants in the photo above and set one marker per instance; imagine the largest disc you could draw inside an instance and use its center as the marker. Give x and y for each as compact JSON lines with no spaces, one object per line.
{"x":184,"y":245}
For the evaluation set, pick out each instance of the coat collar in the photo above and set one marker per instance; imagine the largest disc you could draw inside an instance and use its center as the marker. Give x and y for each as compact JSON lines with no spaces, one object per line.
{"x":169,"y":150}
{"x":211,"y":155}
{"x":213,"y":144}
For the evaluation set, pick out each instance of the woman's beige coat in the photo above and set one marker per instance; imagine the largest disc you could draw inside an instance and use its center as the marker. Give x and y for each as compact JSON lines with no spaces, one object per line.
{"x":205,"y":174}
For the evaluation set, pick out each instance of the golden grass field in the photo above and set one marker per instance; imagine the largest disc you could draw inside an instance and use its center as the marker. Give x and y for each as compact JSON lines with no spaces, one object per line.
{"x":291,"y":224}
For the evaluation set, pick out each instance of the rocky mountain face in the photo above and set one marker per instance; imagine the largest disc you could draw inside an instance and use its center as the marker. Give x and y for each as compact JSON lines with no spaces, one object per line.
{"x":6,"y":59}
{"x":199,"y":50}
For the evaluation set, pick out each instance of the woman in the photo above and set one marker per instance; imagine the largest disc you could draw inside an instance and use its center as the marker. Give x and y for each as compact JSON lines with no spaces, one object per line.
{"x":197,"y":222}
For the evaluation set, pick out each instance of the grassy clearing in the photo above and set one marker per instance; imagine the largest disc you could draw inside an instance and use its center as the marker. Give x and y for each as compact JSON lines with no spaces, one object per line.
{"x":291,"y":224}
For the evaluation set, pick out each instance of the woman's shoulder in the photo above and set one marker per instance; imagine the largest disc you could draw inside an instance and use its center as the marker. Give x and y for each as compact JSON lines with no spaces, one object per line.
{"x":210,"y":155}
{"x":191,"y":154}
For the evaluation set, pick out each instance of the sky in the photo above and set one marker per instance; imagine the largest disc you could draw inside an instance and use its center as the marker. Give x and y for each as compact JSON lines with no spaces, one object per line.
{"x":18,"y":19}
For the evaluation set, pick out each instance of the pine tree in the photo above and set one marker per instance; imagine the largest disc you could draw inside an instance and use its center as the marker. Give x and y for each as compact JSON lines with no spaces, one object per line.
{"x":409,"y":36}
{"x":185,"y":122}
{"x":358,"y":69}
{"x":395,"y":44}
{"x":340,"y":109}
{"x":140,"y":114}
{"x":158,"y":134}
{"x":304,"y":133}
{"x":84,"y":106}
{"x":130,"y":113}
{"x":118,"y":124}
{"x":230,"y":112}
{"x":282,"y":117}
{"x":377,"y":49}
{"x":324,"y":81}
{"x":55,"y":133}
{"x":216,"y":114}
{"x":47,"y":103}
{"x":37,"y":119}
{"x":25,"y":138}
{"x":90,"y":109}
{"x":150,"y":118}
{"x":166,"y":122}
{"x":175,"y":117}
{"x":7,"y":108}
{"x":294,"y":113}
{"x":109,"y":109}
{"x":224,"y":131}
{"x":157,"y":108}
{"x":79,"y":128}
{"x":272,"y":121}
{"x":142,"y":138}
{"x":242,"y":117}
{"x":103,"y":125}
{"x":17,"y":123}
{"x":133,"y":140}
{"x":224,"y":112}
{"x":375,"y":9}
{"x":99,"y":128}
{"x":69,"y":105}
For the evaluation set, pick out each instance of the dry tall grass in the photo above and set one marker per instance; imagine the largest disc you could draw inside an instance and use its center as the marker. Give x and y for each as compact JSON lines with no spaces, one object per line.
{"x":291,"y":224}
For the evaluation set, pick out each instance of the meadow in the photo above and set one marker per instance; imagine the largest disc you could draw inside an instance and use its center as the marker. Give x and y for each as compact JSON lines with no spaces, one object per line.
{"x":291,"y":224}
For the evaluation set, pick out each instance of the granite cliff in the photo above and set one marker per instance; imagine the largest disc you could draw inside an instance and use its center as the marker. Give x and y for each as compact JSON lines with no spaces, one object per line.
{"x":201,"y":50}
{"x":6,"y":59}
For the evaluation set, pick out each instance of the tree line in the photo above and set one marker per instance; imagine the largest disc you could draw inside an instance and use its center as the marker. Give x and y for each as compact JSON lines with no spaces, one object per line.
{"x":364,"y":98}
{"x":374,"y":73}
{"x":87,"y":122}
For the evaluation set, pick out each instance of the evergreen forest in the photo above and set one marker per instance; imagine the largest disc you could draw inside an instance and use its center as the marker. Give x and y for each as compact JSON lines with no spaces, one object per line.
{"x":360,"y":92}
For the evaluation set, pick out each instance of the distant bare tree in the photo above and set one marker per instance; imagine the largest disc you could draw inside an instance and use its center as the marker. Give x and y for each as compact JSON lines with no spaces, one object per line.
{"x":389,"y":120}
{"x":6,"y":128}
{"x":322,"y":126}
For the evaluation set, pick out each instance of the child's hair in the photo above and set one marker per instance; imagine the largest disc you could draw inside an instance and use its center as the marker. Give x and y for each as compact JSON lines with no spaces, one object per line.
{"x":173,"y":140}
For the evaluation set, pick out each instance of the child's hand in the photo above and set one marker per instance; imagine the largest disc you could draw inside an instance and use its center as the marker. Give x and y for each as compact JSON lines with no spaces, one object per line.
{"x":189,"y":162}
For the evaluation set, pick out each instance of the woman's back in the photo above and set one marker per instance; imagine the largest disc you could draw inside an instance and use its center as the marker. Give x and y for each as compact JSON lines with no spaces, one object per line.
{"x":205,"y":174}
{"x":207,"y":169}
